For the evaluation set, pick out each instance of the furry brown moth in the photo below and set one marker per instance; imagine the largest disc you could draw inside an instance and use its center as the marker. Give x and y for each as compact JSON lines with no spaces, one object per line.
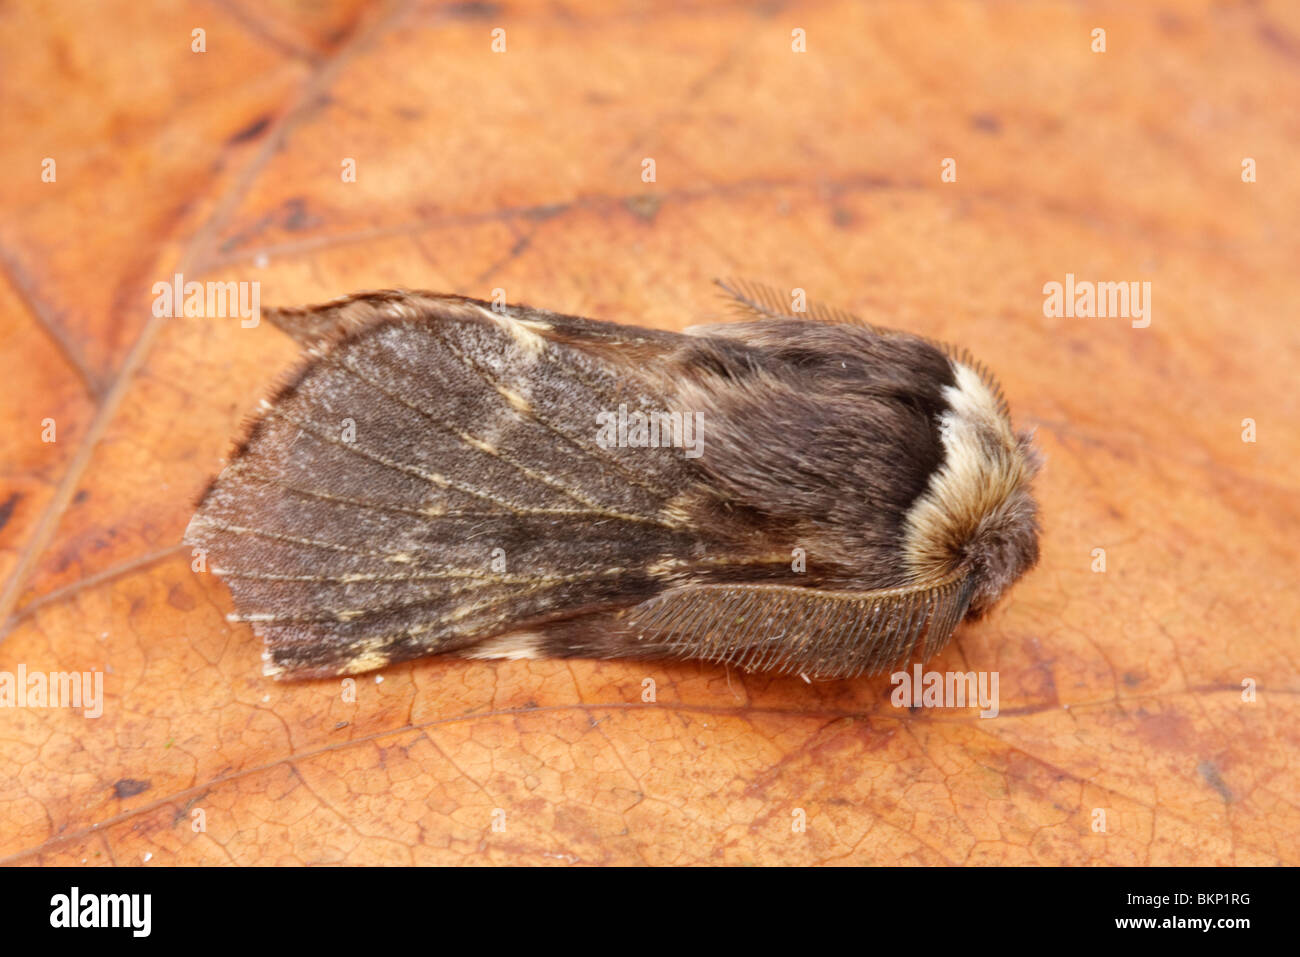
{"x":790,"y":492}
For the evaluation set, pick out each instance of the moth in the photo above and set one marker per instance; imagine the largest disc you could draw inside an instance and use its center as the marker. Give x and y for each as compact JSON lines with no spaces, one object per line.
{"x":789,"y":492}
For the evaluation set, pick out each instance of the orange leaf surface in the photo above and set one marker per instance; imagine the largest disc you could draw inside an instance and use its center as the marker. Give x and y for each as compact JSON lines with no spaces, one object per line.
{"x":1123,"y":691}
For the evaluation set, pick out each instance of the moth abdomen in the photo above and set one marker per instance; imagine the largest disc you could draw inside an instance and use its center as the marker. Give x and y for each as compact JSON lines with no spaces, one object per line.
{"x":443,"y":476}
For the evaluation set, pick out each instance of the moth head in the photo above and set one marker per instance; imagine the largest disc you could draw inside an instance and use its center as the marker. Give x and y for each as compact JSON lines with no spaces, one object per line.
{"x":1004,"y":543}
{"x":978,"y":512}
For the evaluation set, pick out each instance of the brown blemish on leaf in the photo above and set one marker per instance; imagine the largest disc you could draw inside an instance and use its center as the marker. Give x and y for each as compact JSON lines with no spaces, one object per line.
{"x":1212,"y":777}
{"x":646,"y":206}
{"x":129,"y":787}
{"x":250,"y":132}
{"x":472,"y":10}
{"x":180,"y":598}
{"x":1164,"y":729}
{"x":7,"y":508}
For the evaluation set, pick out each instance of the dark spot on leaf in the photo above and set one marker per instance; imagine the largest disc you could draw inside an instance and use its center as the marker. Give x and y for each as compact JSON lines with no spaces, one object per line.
{"x":7,"y":508}
{"x":250,"y":132}
{"x":1214,"y":780}
{"x":540,"y":213}
{"x":843,"y":217}
{"x":129,"y":787}
{"x":1164,"y":729}
{"x":645,"y":206}
{"x":1131,"y":679}
{"x":1171,"y":23}
{"x":1279,"y":40}
{"x":81,"y":496}
{"x":522,"y":243}
{"x":986,"y":123}
{"x":296,"y":217}
{"x":472,"y":10}
{"x":180,"y":599}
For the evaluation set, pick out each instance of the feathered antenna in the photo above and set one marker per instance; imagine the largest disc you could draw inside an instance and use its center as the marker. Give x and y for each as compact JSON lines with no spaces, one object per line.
{"x":764,"y":302}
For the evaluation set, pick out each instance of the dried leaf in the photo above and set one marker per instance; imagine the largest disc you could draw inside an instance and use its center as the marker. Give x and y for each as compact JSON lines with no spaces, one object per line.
{"x":1120,"y":691}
